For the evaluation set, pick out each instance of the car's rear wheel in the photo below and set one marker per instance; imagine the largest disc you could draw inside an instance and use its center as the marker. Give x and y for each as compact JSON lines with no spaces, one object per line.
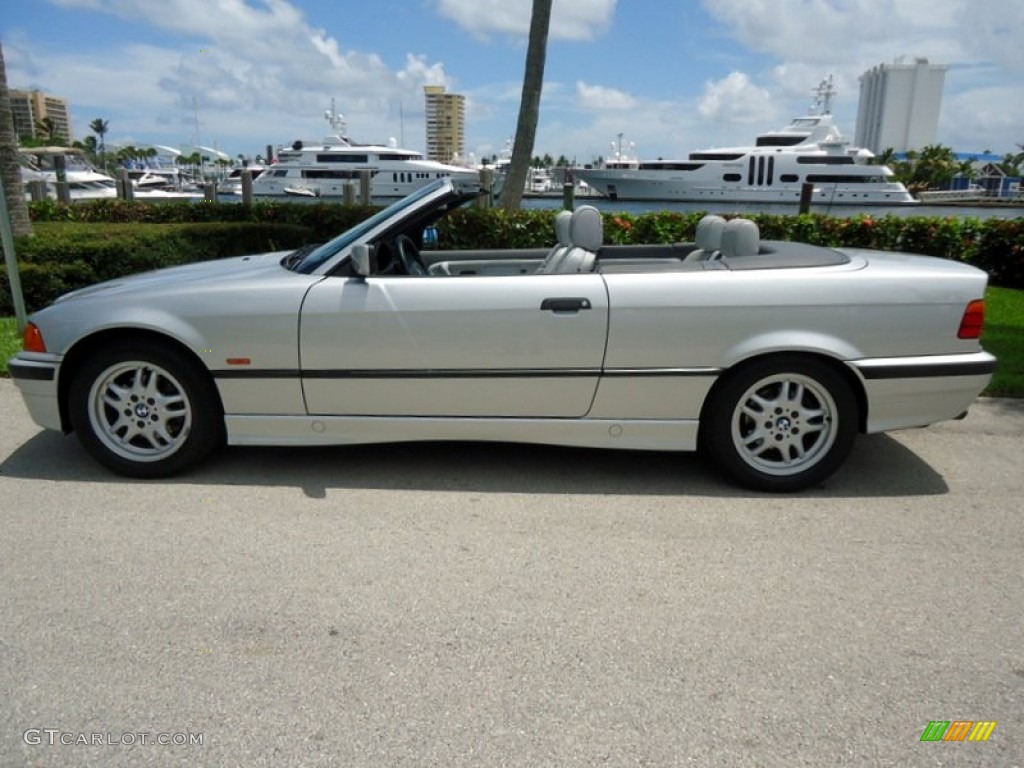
{"x":781,"y":424}
{"x":145,"y":412}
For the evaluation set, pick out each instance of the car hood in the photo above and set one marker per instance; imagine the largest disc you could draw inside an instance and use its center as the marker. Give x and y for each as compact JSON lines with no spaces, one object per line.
{"x":205,"y":272}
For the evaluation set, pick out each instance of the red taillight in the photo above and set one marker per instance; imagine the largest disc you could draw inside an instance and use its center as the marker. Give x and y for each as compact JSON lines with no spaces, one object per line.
{"x":972,"y":321}
{"x":32,"y":339}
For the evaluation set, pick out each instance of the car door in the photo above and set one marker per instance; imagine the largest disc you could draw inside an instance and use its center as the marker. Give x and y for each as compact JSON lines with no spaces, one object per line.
{"x":480,"y":346}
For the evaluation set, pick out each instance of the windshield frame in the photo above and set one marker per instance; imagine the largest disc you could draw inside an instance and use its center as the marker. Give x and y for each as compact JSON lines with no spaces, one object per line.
{"x":317,"y":258}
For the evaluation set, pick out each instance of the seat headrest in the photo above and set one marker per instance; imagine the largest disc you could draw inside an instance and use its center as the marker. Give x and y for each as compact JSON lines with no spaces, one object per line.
{"x":709,"y":233}
{"x":740,"y":237}
{"x":586,"y":228}
{"x":563,"y":222}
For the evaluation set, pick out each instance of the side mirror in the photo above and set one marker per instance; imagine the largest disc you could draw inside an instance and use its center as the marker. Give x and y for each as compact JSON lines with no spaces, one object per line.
{"x":362,"y":259}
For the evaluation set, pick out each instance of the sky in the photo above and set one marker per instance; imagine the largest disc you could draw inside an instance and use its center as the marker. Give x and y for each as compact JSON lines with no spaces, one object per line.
{"x":670,"y":76}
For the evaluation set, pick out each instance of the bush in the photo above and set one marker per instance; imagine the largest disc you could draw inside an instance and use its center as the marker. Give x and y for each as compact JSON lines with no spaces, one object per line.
{"x":84,"y":243}
{"x":65,"y":257}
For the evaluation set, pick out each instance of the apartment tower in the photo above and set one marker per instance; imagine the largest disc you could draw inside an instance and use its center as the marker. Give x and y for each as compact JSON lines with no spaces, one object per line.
{"x":446,"y":124}
{"x":30,"y":107}
{"x":899,"y":105}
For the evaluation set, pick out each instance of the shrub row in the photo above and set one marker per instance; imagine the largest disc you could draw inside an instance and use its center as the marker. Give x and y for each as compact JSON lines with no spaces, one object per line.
{"x":82,"y":244}
{"x":994,"y":245}
{"x":323,"y":220}
{"x":64,"y":257}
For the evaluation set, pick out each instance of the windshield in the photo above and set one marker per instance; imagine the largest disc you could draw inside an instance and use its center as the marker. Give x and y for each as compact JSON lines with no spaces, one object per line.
{"x":316,"y":257}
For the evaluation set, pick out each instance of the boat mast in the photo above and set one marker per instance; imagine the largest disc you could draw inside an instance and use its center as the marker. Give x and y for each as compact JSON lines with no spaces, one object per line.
{"x":337,"y":121}
{"x":823,"y":95}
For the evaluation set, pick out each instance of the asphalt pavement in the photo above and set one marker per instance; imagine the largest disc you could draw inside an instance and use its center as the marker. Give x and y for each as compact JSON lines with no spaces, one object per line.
{"x":500,"y":605}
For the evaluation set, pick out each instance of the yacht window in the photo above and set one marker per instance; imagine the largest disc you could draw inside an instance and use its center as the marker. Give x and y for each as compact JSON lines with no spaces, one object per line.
{"x":779,"y":141}
{"x":731,"y":177}
{"x":670,"y":166}
{"x":336,"y":158}
{"x":825,"y":160}
{"x":828,"y":178}
{"x":789,"y":178}
{"x":716,"y":155}
{"x":321,"y":174}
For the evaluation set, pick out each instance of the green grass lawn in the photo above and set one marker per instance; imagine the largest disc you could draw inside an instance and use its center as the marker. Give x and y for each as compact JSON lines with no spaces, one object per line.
{"x":10,"y":341}
{"x":1003,"y":337}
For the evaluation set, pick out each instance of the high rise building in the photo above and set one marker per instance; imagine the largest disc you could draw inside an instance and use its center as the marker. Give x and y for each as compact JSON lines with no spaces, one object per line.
{"x":446,"y":123}
{"x":31,"y":107}
{"x":899,"y":105}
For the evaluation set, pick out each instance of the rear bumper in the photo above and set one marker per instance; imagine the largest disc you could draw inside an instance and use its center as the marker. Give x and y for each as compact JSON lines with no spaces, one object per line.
{"x":917,"y":391}
{"x":37,"y":381}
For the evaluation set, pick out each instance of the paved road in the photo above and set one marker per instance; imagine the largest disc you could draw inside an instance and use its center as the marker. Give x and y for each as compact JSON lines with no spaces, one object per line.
{"x":458,"y":605}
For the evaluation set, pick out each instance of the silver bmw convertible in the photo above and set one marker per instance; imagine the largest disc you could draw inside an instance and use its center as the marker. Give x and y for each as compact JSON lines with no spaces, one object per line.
{"x":769,"y":356}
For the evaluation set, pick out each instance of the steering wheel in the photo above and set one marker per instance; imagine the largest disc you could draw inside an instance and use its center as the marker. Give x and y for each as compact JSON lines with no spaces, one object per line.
{"x":409,"y":255}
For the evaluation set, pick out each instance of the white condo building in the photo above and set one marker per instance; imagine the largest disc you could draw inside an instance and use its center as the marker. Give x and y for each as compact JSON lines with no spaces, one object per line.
{"x":899,"y":105}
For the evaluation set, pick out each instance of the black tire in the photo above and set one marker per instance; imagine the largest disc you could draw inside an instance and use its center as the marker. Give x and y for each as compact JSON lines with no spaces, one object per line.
{"x":145,"y":411}
{"x":780,"y":424}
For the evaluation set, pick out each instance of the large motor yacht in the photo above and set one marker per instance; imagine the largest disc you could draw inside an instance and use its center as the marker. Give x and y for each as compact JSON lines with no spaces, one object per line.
{"x":323,"y":169}
{"x":808,"y":150}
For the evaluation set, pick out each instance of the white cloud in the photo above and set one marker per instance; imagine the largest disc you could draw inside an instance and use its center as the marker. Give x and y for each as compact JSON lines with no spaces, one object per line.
{"x":570,"y":19}
{"x":261,"y":70}
{"x":601,"y":97}
{"x":809,"y":39}
{"x":242,"y":86}
{"x":992,"y":30}
{"x":735,"y":99}
{"x":839,"y":33}
{"x":983,"y":118}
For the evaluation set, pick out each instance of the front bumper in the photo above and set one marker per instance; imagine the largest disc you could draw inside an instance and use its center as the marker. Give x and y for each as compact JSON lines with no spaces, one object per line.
{"x":36,"y":377}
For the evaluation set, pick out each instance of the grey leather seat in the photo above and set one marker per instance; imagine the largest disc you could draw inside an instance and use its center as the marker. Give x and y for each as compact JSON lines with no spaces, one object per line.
{"x":708,"y":238}
{"x":563,"y":222}
{"x":586,"y":231}
{"x":740,"y":237}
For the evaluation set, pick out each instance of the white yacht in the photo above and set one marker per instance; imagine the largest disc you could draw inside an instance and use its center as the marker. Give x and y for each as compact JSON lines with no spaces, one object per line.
{"x":85,"y":182}
{"x":810,"y":149}
{"x":324,"y":168}
{"x":231,"y":184}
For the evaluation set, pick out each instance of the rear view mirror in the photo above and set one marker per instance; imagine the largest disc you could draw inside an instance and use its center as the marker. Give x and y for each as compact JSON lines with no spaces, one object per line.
{"x":362,"y":259}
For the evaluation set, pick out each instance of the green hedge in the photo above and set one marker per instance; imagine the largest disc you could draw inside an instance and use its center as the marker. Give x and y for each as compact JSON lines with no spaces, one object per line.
{"x":82,"y":244}
{"x":994,"y":245}
{"x":323,"y":220}
{"x":64,"y":257}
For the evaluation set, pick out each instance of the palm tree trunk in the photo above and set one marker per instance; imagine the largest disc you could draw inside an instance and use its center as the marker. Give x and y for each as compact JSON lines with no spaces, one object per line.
{"x":529,"y":106}
{"x":10,"y":168}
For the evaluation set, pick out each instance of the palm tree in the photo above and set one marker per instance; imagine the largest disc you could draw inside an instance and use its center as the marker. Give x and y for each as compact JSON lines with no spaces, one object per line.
{"x":48,"y":129}
{"x":885,"y":157}
{"x":99,"y":126}
{"x":966,"y":169}
{"x":10,"y":168}
{"x":87,"y":145}
{"x":529,"y":105}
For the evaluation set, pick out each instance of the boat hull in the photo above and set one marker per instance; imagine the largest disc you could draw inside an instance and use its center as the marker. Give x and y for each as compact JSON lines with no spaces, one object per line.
{"x":637,"y":185}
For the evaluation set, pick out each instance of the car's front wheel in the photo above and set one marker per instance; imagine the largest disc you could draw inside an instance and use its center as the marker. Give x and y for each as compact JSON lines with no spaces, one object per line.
{"x":145,"y":412}
{"x":781,"y":424}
